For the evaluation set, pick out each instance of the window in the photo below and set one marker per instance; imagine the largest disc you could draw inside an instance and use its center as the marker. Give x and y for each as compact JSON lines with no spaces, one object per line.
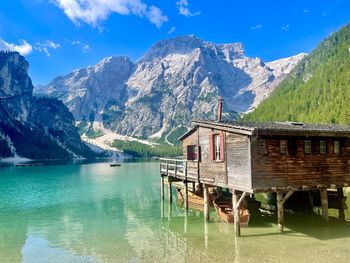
{"x":292,"y":147}
{"x":307,"y":147}
{"x":283,"y":146}
{"x":192,"y":152}
{"x":336,"y":147}
{"x":217,"y":147}
{"x":323,"y":147}
{"x":216,"y":144}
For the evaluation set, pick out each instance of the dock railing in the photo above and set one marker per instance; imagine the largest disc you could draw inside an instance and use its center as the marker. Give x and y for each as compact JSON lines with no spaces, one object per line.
{"x":173,"y":167}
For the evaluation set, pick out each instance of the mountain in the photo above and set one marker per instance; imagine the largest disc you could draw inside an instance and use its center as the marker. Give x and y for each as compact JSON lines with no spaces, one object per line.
{"x":33,"y":127}
{"x":176,"y":80}
{"x":317,"y":90}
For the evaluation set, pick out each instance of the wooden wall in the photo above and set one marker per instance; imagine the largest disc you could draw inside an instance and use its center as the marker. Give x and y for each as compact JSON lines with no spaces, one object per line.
{"x":212,"y":171}
{"x":273,"y":169}
{"x":238,"y":162}
{"x":234,"y":172}
{"x":191,"y":165}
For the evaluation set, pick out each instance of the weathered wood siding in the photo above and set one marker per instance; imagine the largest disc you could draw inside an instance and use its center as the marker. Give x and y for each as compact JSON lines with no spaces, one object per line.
{"x":211,"y":171}
{"x":191,"y":165}
{"x":238,"y":162}
{"x":273,"y":169}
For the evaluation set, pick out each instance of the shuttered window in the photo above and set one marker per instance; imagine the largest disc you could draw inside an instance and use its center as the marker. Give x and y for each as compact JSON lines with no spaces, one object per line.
{"x":323,"y":147}
{"x":192,"y":152}
{"x":336,"y":147}
{"x":307,"y":147}
{"x":217,"y":147}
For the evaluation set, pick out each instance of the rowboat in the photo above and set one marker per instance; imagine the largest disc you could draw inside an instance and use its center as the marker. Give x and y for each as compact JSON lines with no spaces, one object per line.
{"x":195,"y":201}
{"x":224,"y":211}
{"x":114,"y":164}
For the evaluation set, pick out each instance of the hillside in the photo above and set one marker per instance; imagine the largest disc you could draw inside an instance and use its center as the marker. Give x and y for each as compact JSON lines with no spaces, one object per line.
{"x":177,"y":80}
{"x":33,"y":127}
{"x":317,"y":90}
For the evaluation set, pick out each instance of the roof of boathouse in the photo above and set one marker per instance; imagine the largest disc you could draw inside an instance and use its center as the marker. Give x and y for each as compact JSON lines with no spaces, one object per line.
{"x":273,"y":128}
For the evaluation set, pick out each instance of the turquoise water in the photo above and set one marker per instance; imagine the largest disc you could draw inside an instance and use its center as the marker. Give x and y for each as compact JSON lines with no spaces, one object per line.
{"x":95,"y":213}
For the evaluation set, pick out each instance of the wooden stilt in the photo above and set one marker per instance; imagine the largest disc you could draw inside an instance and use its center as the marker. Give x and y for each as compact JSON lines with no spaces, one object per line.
{"x":324,"y":204}
{"x":186,"y":195}
{"x":206,"y":202}
{"x":280,"y":211}
{"x":162,"y":187}
{"x":170,"y":196}
{"x":341,"y":204}
{"x":235,"y":206}
{"x":193,"y":187}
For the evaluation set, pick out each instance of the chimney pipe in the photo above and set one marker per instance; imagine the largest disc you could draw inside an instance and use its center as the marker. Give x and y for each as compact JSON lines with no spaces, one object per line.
{"x":220,"y":109}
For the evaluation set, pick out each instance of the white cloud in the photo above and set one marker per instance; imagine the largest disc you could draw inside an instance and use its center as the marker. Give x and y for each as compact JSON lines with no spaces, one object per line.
{"x":285,"y":28}
{"x":44,"y":47}
{"x":256,"y":27}
{"x":306,"y":11}
{"x":86,"y":49}
{"x":182,"y":6}
{"x":24,"y":48}
{"x":92,"y":12}
{"x":155,"y":16}
{"x":76,"y":42}
{"x":171,"y":30}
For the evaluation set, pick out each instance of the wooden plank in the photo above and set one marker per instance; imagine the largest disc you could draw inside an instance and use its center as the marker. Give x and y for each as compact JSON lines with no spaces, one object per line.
{"x":280,"y":211}
{"x":237,"y":226}
{"x":324,"y":204}
{"x":206,"y":202}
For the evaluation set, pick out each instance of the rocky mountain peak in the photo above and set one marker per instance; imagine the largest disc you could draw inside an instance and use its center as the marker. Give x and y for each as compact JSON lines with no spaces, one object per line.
{"x":14,"y":75}
{"x":178,"y":45}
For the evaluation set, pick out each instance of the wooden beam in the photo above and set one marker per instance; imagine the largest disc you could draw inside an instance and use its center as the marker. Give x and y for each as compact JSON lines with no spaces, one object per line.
{"x":341,"y":204}
{"x":186,"y":195}
{"x":290,"y":192}
{"x":280,"y":211}
{"x":162,"y":187}
{"x":206,"y":202}
{"x":235,"y":201}
{"x":170,"y":196}
{"x":241,"y":199}
{"x":324,"y":204}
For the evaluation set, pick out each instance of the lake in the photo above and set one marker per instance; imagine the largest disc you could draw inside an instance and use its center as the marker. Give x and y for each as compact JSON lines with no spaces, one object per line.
{"x":90,"y":212}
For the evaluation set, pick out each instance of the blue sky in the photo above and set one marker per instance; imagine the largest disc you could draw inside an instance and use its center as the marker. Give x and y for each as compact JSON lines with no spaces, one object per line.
{"x":58,"y":36}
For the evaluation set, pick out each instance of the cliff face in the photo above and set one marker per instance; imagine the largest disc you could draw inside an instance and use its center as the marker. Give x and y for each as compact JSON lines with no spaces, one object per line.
{"x":177,"y":80}
{"x":32,"y":127}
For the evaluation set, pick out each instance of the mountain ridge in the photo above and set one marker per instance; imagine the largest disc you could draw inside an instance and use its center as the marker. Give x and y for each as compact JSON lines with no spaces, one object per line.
{"x":176,"y":80}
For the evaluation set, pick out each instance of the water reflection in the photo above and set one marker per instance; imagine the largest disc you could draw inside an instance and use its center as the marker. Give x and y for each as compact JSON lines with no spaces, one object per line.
{"x":91,"y":213}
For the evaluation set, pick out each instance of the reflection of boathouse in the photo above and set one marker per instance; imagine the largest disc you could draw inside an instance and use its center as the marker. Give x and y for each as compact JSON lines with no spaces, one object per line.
{"x":248,"y":158}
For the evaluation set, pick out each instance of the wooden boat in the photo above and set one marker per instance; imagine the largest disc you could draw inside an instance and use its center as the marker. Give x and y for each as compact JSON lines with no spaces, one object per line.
{"x":114,"y":164}
{"x":194,"y":200}
{"x":224,"y":211}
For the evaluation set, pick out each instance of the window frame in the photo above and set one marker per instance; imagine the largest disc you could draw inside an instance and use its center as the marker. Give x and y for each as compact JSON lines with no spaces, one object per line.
{"x":283,"y":145}
{"x":321,"y":147}
{"x":307,"y":147}
{"x":338,"y":151}
{"x":192,"y":155}
{"x":217,"y":146}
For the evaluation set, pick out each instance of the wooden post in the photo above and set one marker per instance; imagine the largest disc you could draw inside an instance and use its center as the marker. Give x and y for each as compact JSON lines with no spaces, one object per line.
{"x":324,"y":204}
{"x":186,"y":195}
{"x":170,"y":196}
{"x":206,"y":202}
{"x":341,"y":204}
{"x":162,"y":187}
{"x":193,"y":187}
{"x":235,"y":207}
{"x":280,"y":211}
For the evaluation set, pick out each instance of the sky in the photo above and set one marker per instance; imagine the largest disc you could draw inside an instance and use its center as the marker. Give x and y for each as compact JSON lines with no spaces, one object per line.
{"x":58,"y":36}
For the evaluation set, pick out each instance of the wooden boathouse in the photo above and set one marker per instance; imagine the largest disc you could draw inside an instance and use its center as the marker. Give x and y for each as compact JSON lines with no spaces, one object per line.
{"x":249,"y":158}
